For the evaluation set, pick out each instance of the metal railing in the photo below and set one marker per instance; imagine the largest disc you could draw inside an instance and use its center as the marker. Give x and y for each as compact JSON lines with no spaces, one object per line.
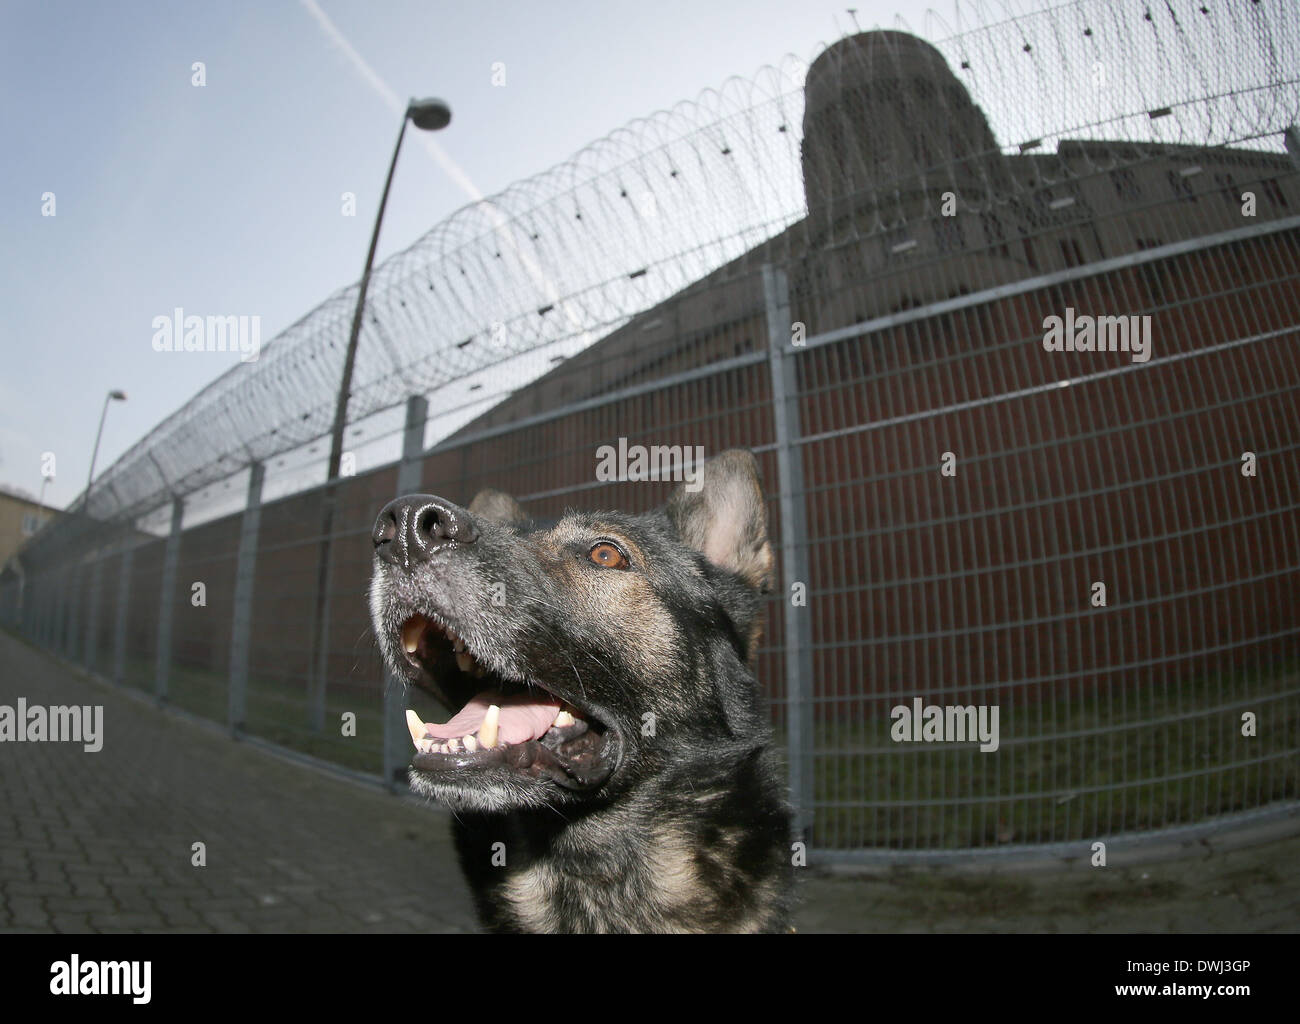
{"x":1100,"y":737}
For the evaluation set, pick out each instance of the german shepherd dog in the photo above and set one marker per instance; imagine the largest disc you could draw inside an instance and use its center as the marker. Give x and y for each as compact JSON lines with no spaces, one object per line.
{"x":610,"y":768}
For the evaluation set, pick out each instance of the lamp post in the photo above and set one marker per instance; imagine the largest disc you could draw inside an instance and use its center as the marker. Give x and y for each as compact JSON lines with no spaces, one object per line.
{"x":112,"y":396}
{"x":429,"y":115}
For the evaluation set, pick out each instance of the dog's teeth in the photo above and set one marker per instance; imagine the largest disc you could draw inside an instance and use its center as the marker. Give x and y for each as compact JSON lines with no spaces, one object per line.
{"x":458,"y":644}
{"x":471,"y":744}
{"x":426,"y":745}
{"x":411,"y":634}
{"x":487,"y":732}
{"x":465,"y":661}
{"x":564,"y":719}
{"x":415,"y":725}
{"x":453,"y":745}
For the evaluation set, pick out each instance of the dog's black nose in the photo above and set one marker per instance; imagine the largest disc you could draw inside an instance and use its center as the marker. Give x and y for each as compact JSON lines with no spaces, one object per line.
{"x":411,"y":529}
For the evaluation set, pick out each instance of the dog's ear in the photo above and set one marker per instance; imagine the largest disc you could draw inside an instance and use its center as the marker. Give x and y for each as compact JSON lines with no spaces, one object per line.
{"x":723,"y":516}
{"x":498,"y":507}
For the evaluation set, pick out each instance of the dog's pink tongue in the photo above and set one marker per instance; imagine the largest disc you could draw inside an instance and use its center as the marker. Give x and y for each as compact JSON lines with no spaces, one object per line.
{"x":522,"y":718}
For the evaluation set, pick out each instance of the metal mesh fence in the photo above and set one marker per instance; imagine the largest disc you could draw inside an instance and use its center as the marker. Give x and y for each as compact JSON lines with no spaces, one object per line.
{"x":945,"y":491}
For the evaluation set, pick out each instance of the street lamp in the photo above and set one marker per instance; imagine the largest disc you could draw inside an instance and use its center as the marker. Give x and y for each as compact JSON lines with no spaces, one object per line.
{"x":429,"y":115}
{"x":112,"y":396}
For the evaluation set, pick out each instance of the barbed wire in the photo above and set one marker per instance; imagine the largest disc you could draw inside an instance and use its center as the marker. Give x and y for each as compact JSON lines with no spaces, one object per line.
{"x":559,"y":259}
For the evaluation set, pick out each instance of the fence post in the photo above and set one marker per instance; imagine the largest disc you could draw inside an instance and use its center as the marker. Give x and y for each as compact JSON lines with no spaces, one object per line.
{"x":44,"y":612}
{"x":50,"y":617}
{"x":25,"y":620}
{"x":167,"y":602}
{"x":72,"y":604}
{"x":397,"y":747}
{"x":242,"y":622}
{"x":47,"y":611}
{"x":92,"y":614}
{"x":119,"y":626}
{"x":58,"y":609}
{"x":794,"y":554}
{"x":49,"y":614}
{"x":72,"y":623}
{"x":319,"y":647}
{"x":67,"y":574}
{"x":32,"y":610}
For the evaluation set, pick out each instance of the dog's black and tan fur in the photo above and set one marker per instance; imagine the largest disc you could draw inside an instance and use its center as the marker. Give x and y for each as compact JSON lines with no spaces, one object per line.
{"x":662,"y":808}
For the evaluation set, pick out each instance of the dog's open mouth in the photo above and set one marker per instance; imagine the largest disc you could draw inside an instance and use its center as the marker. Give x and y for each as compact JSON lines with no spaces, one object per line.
{"x":518,"y":724}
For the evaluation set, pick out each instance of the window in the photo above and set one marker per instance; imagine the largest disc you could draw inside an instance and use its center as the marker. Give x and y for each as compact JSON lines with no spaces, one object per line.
{"x":949,"y":234}
{"x":993,"y":234}
{"x":1181,"y":187}
{"x":1125,"y":184}
{"x":1228,"y":189}
{"x":992,"y":228}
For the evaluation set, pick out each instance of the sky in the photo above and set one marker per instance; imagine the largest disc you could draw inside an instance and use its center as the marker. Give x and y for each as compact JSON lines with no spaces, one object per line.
{"x":225,"y":197}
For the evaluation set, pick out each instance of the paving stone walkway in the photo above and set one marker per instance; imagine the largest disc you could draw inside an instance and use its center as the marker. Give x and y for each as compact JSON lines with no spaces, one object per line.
{"x":102,"y":841}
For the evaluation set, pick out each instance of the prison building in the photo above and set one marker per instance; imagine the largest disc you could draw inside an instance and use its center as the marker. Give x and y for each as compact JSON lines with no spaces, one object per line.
{"x":1071,"y":468}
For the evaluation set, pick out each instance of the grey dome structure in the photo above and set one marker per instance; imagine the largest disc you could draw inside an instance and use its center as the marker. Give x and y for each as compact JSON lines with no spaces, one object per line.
{"x":887,"y":125}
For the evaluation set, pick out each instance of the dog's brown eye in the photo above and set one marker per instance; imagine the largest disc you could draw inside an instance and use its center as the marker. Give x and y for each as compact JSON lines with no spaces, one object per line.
{"x":606,"y":555}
